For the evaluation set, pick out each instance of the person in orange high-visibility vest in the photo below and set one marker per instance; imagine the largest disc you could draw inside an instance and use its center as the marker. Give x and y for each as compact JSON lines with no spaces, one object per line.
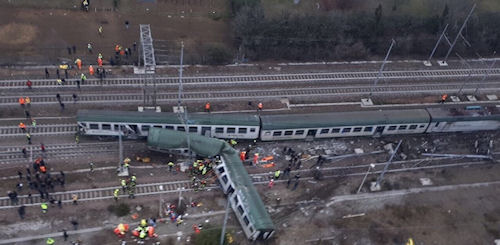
{"x":207,"y":107}
{"x":117,"y":49}
{"x":260,"y":106}
{"x":443,"y":98}
{"x":21,"y":101}
{"x":91,"y":70}
{"x":243,"y":155}
{"x":122,"y":52}
{"x":78,"y":62}
{"x":22,"y":126}
{"x":99,"y":62}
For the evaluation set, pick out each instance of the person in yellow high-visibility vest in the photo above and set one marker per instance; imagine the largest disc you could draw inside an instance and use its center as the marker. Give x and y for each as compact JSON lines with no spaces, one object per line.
{"x":50,"y":241}
{"x":410,"y":242}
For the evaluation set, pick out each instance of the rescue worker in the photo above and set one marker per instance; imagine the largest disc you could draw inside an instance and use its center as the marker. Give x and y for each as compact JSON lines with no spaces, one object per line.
{"x":243,"y":155}
{"x":78,"y":62}
{"x":255,"y":158}
{"x":83,"y":77}
{"x":131,"y":191}
{"x":233,"y":142}
{"x":277,"y":174}
{"x":99,"y":56}
{"x":91,"y":70}
{"x":89,"y":47}
{"x":59,"y":82}
{"x":100,"y":31}
{"x":204,"y":171}
{"x":207,"y":107}
{"x":77,"y":139}
{"x":50,"y":241}
{"x":116,"y":193}
{"x":99,"y":62}
{"x":44,"y":207}
{"x":270,"y":184}
{"x":123,"y":183}
{"x":29,"y":84}
{"x":170,"y":166}
{"x":28,"y":101}
{"x":33,"y":123}
{"x":75,"y":199}
{"x":117,"y":49}
{"x":133,"y":179}
{"x":22,"y":127}
{"x":28,"y":137}
{"x":260,"y":106}
{"x":443,"y":98}
{"x":21,"y":101}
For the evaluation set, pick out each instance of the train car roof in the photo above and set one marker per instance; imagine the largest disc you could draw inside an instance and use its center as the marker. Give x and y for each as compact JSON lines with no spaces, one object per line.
{"x":471,"y":113}
{"x":166,"y":117}
{"x":245,"y":188}
{"x":209,"y":147}
{"x":333,"y":119}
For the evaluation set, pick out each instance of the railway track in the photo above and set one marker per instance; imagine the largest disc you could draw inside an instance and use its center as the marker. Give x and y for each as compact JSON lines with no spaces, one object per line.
{"x":203,"y":96}
{"x":255,"y":79}
{"x":176,"y":186}
{"x":46,"y":129}
{"x":14,"y":154}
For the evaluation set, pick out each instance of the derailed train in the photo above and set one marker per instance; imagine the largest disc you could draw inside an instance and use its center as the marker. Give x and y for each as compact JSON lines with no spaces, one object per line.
{"x":293,"y":126}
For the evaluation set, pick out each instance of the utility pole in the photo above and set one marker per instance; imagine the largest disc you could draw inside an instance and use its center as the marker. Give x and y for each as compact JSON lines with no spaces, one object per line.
{"x":486,"y":73}
{"x":223,"y":232}
{"x":381,"y":68}
{"x":364,"y":178}
{"x":443,"y":35}
{"x":381,"y":177}
{"x":183,"y":113}
{"x":459,"y":34}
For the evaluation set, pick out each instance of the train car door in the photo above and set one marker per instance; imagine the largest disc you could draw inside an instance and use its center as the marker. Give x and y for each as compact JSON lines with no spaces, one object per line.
{"x":206,"y":131}
{"x":379,"y":130}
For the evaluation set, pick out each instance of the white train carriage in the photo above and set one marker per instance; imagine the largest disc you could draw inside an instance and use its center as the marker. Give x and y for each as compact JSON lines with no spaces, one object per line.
{"x":343,"y":124}
{"x":136,"y":124}
{"x":471,"y":118}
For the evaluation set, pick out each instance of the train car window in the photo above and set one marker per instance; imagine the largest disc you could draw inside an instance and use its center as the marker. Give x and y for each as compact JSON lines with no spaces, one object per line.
{"x":230,"y":189}
{"x":412,"y":127}
{"x":357,"y":129}
{"x":193,"y":129}
{"x":235,"y":199}
{"x":221,"y":170}
{"x":368,"y":129}
{"x":288,"y":132}
{"x":346,"y":130}
{"x":246,"y":220}
{"x":437,"y":124}
{"x":106,"y":126}
{"x":231,"y":130}
{"x":157,"y":126}
{"x":145,"y":127}
{"x":324,"y":131}
{"x":391,"y":128}
{"x":181,"y":128}
{"x":242,"y":130}
{"x":277,"y":133}
{"x":402,"y":127}
{"x":240,"y":209}
{"x":224,"y":179}
{"x":335,"y":130}
{"x":251,"y":229}
{"x":422,"y":126}
{"x":252,"y":130}
{"x":219,"y":130}
{"x":94,"y":126}
{"x":115,"y":127}
{"x":169,"y":127}
{"x":299,"y":132}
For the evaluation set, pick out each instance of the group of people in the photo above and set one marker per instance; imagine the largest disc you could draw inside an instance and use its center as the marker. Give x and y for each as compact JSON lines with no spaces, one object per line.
{"x":128,"y":186}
